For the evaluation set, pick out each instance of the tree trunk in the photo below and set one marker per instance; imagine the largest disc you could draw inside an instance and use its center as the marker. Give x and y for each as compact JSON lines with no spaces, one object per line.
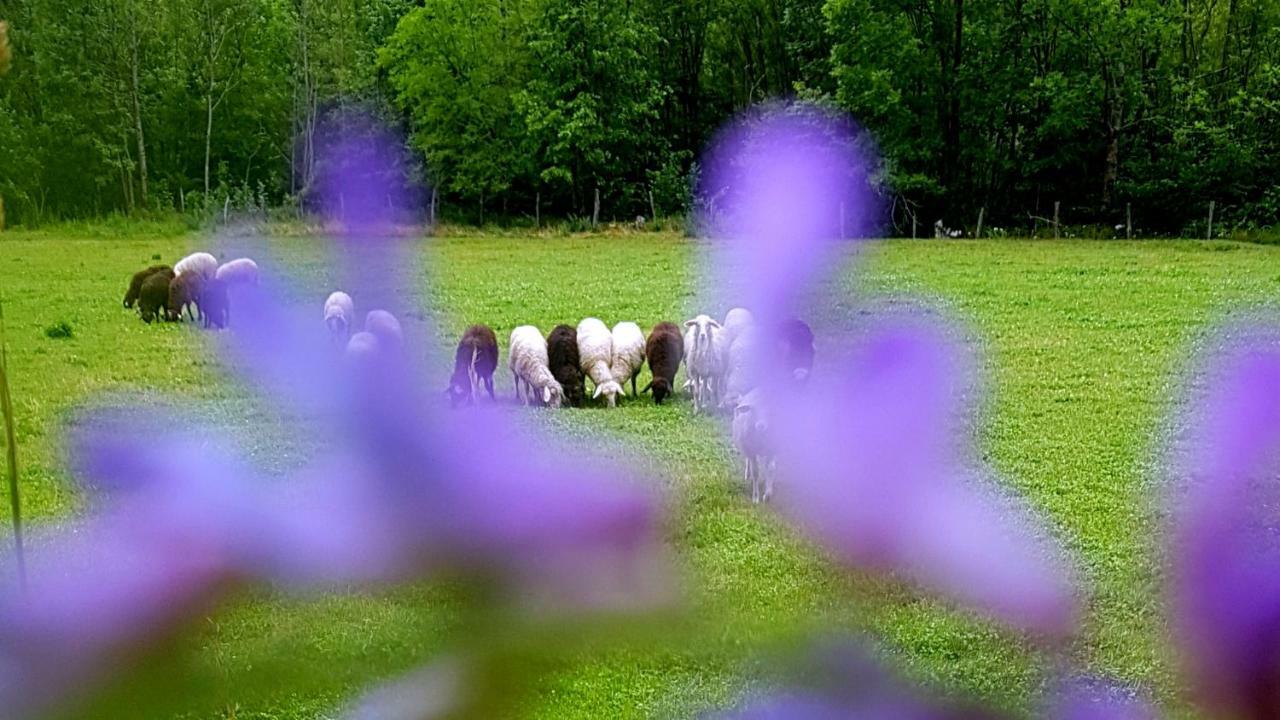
{"x":208,"y":138}
{"x":136,"y":92}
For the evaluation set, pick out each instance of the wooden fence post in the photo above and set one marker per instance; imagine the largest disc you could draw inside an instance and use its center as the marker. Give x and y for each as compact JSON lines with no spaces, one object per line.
{"x":653,"y":208}
{"x":913,"y":225}
{"x":595,"y":213}
{"x":982,"y":211}
{"x":537,"y":209}
{"x":1056,"y":230}
{"x":1128,"y":221}
{"x":431,"y":212}
{"x":1211,"y":207}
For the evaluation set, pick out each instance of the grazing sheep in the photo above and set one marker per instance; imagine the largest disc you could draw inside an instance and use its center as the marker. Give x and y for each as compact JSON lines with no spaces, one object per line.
{"x":153,"y":298}
{"x":201,"y":263}
{"x":184,"y":294}
{"x":386,"y":327}
{"x":704,"y":360}
{"x":595,"y":355}
{"x":215,"y":304}
{"x":735,"y":322}
{"x":797,"y":348}
{"x":664,"y":349}
{"x":743,"y":361}
{"x":475,"y":360}
{"x":135,"y":283}
{"x":751,"y":438}
{"x":527,"y":357}
{"x":241,"y":271}
{"x":339,"y":314}
{"x":628,"y":354}
{"x":562,"y":353}
{"x":362,"y":347}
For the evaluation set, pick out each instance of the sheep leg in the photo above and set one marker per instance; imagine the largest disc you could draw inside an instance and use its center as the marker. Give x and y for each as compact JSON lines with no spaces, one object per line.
{"x":488,"y":385}
{"x":519,"y":398}
{"x":633,"y":386}
{"x":753,"y":472}
{"x":767,"y":471}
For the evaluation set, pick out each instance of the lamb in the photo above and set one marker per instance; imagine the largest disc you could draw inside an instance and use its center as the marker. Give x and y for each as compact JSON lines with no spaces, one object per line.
{"x":201,"y":263}
{"x":339,"y":314}
{"x":475,"y":360}
{"x":386,"y":327}
{"x":797,"y":348}
{"x":241,"y":271}
{"x":135,"y":283}
{"x":751,"y":438}
{"x":184,"y":294}
{"x":562,"y":352}
{"x":153,"y":297}
{"x":215,"y":304}
{"x":664,"y":349}
{"x":595,"y":355}
{"x":704,"y":359}
{"x":628,"y":354}
{"x":527,"y":357}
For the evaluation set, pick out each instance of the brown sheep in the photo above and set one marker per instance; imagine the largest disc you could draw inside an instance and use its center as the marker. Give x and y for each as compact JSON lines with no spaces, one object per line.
{"x":184,"y":293}
{"x":475,"y":361}
{"x":562,"y":355}
{"x":664,"y":349}
{"x":135,"y":284}
{"x":153,"y":297}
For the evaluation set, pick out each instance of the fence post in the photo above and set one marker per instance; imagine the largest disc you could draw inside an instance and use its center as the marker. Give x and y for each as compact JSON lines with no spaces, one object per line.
{"x":537,"y":209}
{"x":913,"y":226}
{"x":595,"y":213}
{"x":653,"y":207}
{"x":1056,"y":231}
{"x":982,"y":211}
{"x":1211,"y":207}
{"x":1128,"y":221}
{"x":431,"y":213}
{"x":182,"y":201}
{"x":226,"y":209}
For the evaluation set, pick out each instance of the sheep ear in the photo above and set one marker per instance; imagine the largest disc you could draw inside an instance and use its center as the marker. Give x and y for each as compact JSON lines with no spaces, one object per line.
{"x":599,"y":391}
{"x":715,"y":324}
{"x":647,"y":388}
{"x":546,"y":394}
{"x":690,"y":323}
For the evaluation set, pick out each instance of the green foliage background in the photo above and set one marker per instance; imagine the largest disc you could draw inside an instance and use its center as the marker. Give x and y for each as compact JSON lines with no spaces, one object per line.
{"x":524,"y":107}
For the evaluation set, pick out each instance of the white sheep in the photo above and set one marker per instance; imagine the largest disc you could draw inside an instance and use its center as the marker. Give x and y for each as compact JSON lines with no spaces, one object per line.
{"x":362,"y":347}
{"x":241,"y":271}
{"x":751,"y":438}
{"x":704,"y":355}
{"x":628,"y":354}
{"x":742,"y":366}
{"x":735,"y":322}
{"x":201,"y":263}
{"x":339,"y":313}
{"x":527,"y":358}
{"x":386,"y":327}
{"x":595,"y":355}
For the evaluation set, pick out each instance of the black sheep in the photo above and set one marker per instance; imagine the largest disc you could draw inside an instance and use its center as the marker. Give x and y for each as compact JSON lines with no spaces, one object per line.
{"x":214,"y":303}
{"x":475,"y":360}
{"x":153,"y":296}
{"x":665,"y":350}
{"x":563,"y":357}
{"x":135,"y":284}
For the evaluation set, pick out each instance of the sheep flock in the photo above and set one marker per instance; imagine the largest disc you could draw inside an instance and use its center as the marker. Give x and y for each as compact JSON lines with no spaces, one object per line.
{"x":725,"y":360}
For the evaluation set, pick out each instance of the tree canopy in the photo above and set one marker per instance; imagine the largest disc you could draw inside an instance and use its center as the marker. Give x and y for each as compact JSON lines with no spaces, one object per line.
{"x":1008,"y":106}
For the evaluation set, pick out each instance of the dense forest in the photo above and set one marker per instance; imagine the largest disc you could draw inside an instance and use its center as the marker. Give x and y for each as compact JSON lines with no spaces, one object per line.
{"x":517,"y":107}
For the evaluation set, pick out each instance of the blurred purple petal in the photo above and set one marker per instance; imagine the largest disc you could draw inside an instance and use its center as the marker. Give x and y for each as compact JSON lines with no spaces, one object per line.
{"x":782,"y":186}
{"x":1225,"y":551}
{"x":872,"y":467}
{"x":1089,"y":699}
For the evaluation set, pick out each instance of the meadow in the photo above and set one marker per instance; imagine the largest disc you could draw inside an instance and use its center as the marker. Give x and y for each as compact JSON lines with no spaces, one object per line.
{"x":1083,"y":346}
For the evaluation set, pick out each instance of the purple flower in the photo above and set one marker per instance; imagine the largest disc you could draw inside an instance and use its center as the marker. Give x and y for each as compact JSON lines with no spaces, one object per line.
{"x":1226,"y":546}
{"x":872,"y":466}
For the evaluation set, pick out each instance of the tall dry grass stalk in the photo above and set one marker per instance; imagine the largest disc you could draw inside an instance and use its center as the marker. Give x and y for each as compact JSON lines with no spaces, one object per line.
{"x":11,"y":455}
{"x":5,"y":53}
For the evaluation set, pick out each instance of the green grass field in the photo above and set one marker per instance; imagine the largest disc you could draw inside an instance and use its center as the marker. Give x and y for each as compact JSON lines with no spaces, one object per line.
{"x":1083,"y":345}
